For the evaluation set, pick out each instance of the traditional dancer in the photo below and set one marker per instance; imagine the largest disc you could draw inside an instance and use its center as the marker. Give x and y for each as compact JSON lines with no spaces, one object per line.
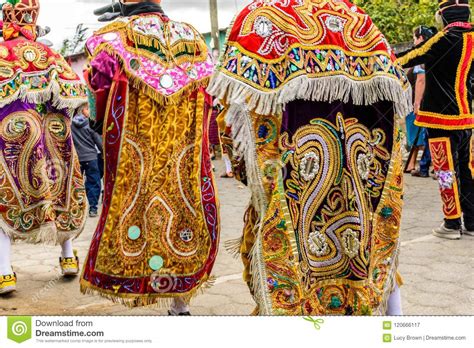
{"x":313,"y":94}
{"x":42,"y":198}
{"x":158,"y":232}
{"x":446,"y":112}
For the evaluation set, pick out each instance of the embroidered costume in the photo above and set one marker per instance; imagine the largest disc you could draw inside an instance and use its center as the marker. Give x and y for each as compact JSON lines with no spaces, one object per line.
{"x":312,"y":92}
{"x":158,"y":233}
{"x":446,"y":110}
{"x":42,"y":198}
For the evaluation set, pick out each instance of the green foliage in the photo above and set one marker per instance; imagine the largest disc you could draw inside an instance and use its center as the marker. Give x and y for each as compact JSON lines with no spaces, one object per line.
{"x":13,"y":2}
{"x":397,"y":18}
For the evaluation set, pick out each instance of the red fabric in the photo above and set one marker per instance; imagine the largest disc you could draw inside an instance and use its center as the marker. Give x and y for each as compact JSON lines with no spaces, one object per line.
{"x":443,"y":162}
{"x":15,"y":45}
{"x":464,"y":25}
{"x":465,"y":67}
{"x":448,"y":122}
{"x":13,"y":30}
{"x":214,"y":128}
{"x":291,"y":20}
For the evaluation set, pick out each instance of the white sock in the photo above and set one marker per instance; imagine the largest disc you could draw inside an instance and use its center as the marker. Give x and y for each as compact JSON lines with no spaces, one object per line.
{"x":395,"y":303}
{"x":228,"y":164}
{"x":179,"y":306}
{"x":67,"y":249}
{"x":5,"y":254}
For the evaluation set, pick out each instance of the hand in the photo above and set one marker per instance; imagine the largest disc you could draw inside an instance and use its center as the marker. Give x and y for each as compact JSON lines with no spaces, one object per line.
{"x":416,"y":107}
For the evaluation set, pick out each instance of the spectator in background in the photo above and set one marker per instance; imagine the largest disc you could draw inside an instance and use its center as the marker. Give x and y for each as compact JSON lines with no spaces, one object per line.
{"x":87,"y":142}
{"x":446,"y":110}
{"x":417,"y":136}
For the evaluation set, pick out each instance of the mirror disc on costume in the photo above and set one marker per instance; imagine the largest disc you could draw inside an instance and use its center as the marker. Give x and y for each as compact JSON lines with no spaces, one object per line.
{"x":28,"y":18}
{"x":156,"y":262}
{"x":29,"y":55}
{"x":186,"y":235}
{"x":192,"y":73}
{"x":134,"y":64}
{"x":134,"y":232}
{"x":263,"y":26}
{"x":110,"y":36}
{"x":166,"y":81}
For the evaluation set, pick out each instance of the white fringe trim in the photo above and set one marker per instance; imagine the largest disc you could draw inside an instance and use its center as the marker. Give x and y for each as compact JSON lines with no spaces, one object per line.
{"x":325,"y":89}
{"x":245,"y":143}
{"x":258,"y":271}
{"x":50,"y":93}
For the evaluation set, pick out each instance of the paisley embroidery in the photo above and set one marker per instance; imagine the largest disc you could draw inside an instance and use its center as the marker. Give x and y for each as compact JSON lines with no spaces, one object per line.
{"x":40,"y":178}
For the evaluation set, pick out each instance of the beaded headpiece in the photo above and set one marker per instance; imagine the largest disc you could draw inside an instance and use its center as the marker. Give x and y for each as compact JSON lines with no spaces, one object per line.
{"x":19,"y":17}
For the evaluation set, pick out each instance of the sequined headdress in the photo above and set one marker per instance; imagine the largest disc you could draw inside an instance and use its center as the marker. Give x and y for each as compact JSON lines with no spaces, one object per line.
{"x":19,"y":17}
{"x":444,"y":4}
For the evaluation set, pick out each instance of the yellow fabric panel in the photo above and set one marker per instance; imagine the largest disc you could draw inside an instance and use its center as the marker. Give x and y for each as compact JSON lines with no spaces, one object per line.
{"x":157,"y":190}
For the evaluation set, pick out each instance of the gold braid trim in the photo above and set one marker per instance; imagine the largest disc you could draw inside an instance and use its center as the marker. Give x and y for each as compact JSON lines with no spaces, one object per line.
{"x":177,"y":48}
{"x":417,"y":52}
{"x":114,"y":26}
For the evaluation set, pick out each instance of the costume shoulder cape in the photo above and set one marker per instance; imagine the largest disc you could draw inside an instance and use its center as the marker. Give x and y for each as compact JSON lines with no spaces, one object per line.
{"x":280,"y":51}
{"x":164,"y":64}
{"x":33,"y":72}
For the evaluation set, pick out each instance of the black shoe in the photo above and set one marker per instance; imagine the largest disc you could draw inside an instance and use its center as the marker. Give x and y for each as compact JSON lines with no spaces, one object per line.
{"x":93,"y":213}
{"x":419,"y":174}
{"x":183,"y":313}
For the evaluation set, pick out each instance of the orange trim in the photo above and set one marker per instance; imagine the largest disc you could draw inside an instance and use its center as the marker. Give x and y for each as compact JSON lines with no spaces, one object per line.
{"x":463,"y":72}
{"x":446,"y":117}
{"x":443,"y":161}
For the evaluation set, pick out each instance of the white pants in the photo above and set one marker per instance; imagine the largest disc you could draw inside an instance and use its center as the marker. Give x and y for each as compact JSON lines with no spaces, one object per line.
{"x":5,"y":253}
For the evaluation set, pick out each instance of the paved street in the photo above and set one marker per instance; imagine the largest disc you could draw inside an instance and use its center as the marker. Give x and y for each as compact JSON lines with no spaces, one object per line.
{"x":438,"y":274}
